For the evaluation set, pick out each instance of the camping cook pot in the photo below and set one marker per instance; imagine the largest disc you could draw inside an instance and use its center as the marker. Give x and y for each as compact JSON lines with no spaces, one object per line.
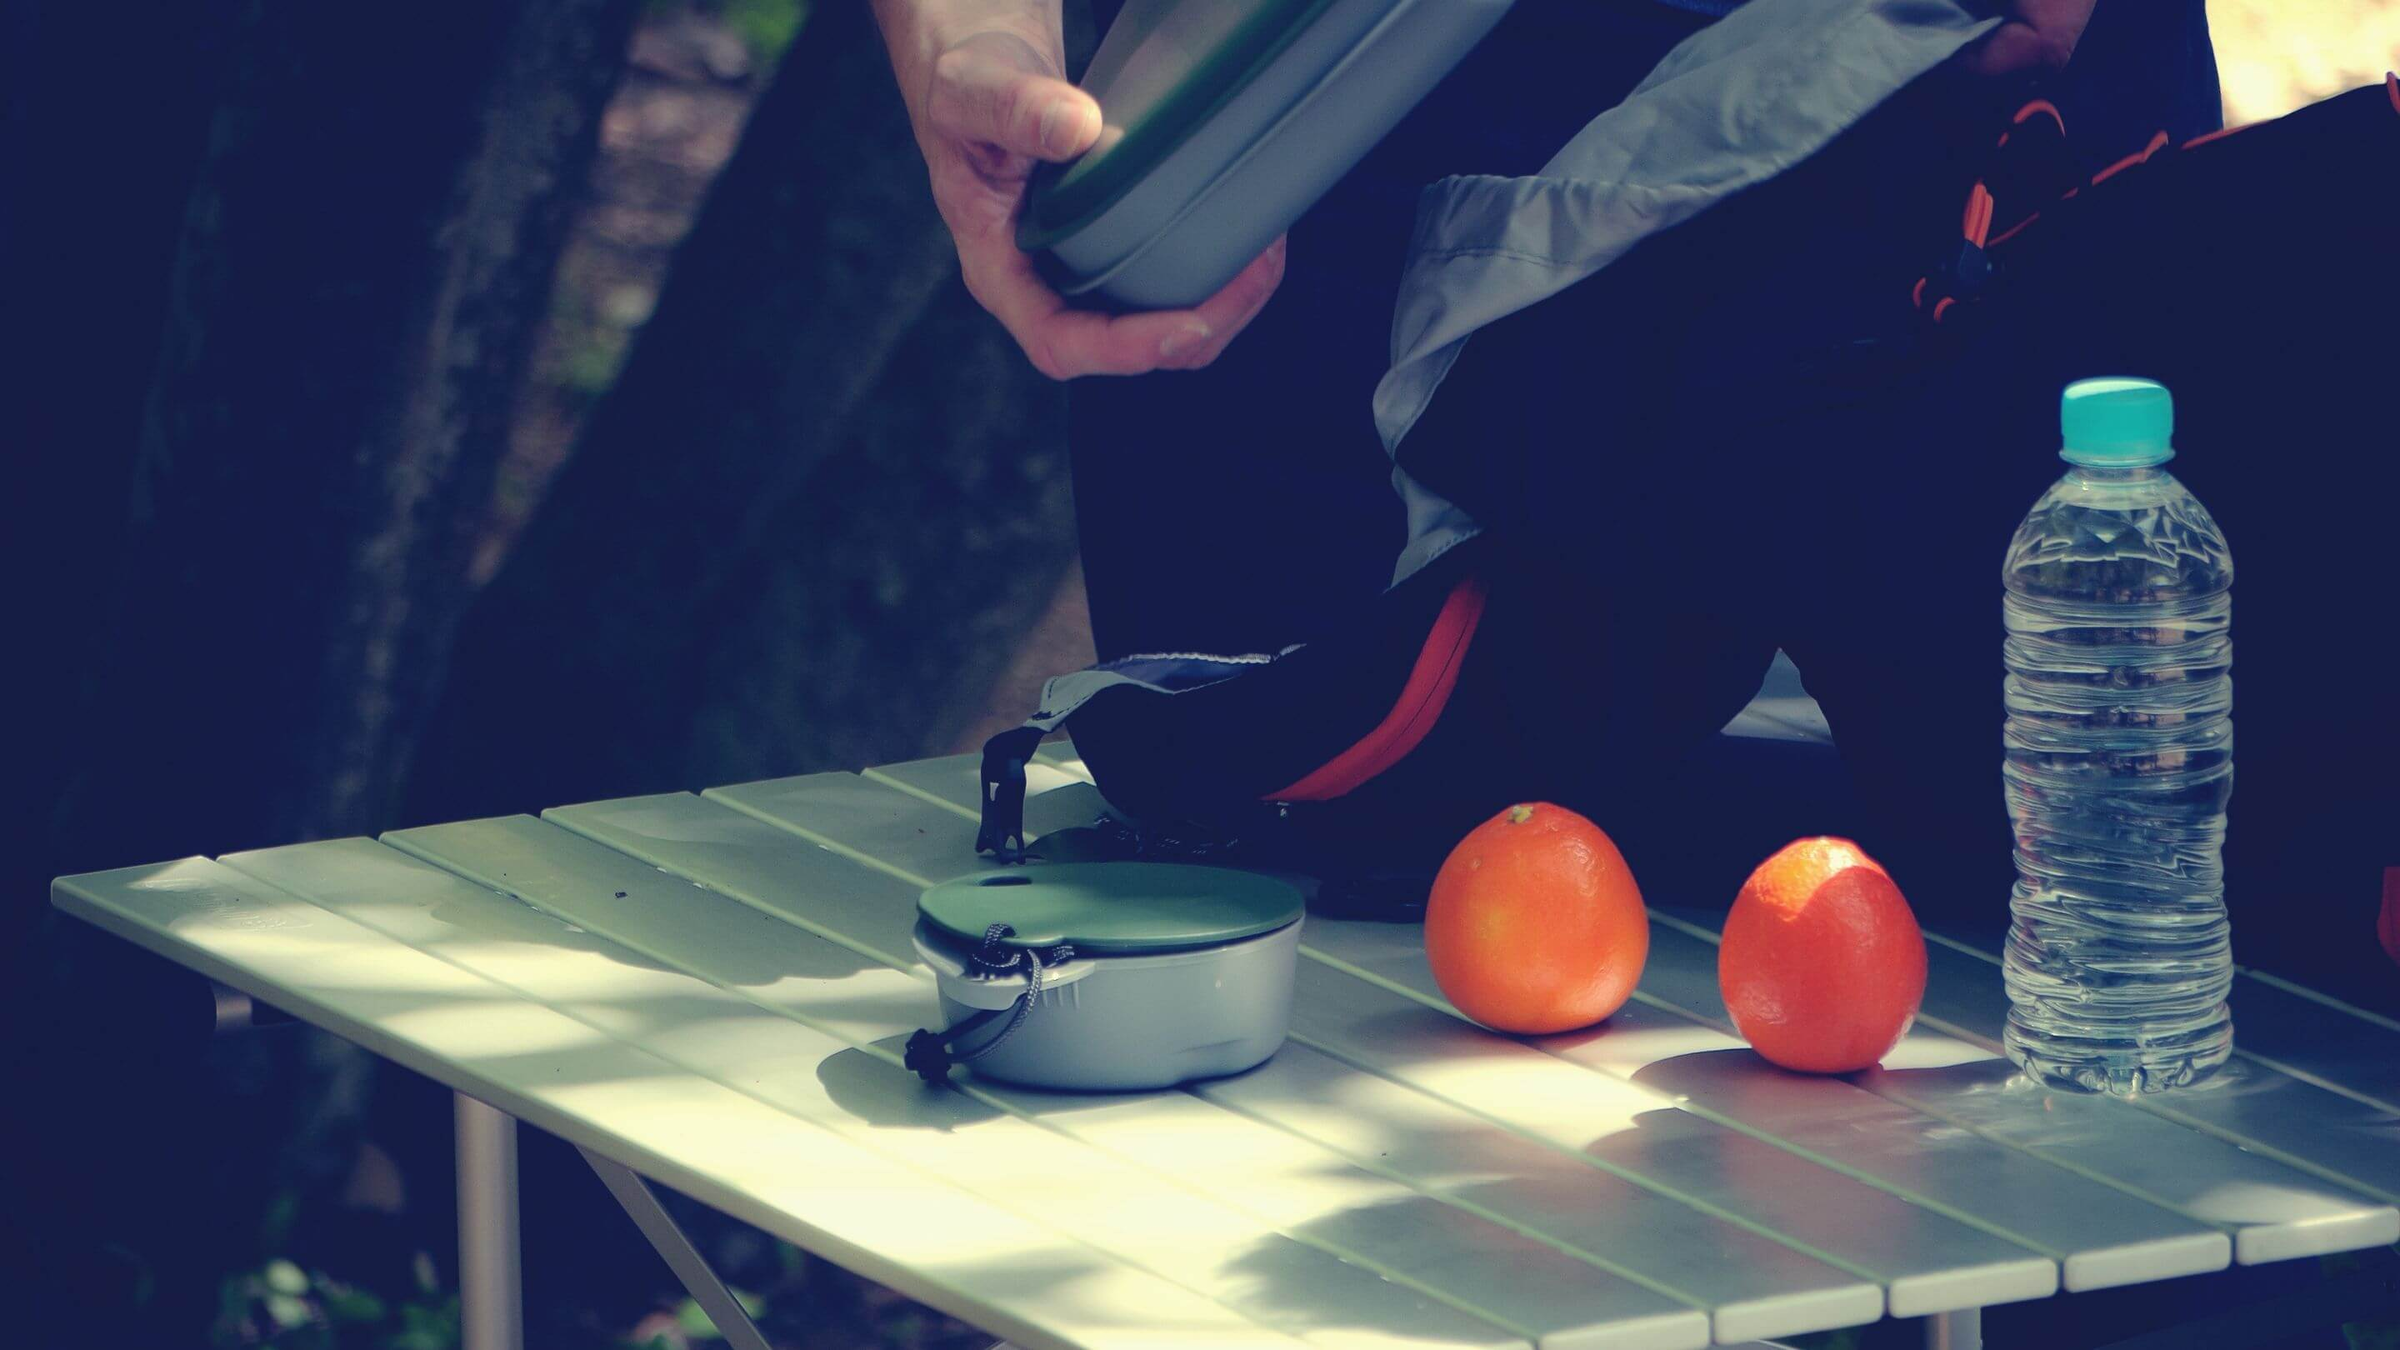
{"x":1111,"y":975}
{"x":1221,"y":122}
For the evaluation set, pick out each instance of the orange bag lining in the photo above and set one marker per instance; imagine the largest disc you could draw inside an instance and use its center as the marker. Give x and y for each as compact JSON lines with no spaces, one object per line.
{"x":1413,"y":715}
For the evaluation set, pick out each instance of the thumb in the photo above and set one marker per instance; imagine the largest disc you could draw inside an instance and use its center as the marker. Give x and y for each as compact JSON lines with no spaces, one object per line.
{"x":995,"y":88}
{"x":2011,"y":48}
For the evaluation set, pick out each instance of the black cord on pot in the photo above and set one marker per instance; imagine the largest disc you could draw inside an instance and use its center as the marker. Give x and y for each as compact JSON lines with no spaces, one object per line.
{"x":930,"y":1054}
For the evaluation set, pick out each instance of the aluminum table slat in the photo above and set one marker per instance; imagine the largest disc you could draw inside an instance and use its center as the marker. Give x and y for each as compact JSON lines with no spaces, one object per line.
{"x":1909,"y":1152}
{"x":2274,"y":1212}
{"x":1769,"y":1287}
{"x":2333,"y":1135}
{"x":818,"y":1076}
{"x":1439,"y":1275}
{"x":2336,"y":1160}
{"x":897,"y":1226}
{"x":1928,"y":1260}
{"x":2308,"y":1035}
{"x":713,"y":991}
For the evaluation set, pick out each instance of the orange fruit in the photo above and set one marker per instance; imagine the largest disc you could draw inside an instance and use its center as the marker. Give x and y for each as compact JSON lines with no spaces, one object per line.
{"x":1535,"y":924}
{"x":1822,"y":964}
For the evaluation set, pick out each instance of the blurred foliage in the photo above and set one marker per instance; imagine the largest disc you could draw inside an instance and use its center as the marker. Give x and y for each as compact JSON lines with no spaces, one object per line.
{"x":767,"y":26}
{"x":2274,"y":55}
{"x":689,"y":1325}
{"x":282,"y":1306}
{"x":2381,"y":1333}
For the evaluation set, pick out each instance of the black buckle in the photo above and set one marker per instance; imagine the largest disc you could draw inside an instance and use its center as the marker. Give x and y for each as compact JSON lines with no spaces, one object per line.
{"x":1966,"y":274}
{"x":1001,"y":830}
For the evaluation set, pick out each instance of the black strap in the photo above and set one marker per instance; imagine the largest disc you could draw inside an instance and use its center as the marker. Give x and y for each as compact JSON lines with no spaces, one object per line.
{"x":1002,"y":830}
{"x":929,"y":1054}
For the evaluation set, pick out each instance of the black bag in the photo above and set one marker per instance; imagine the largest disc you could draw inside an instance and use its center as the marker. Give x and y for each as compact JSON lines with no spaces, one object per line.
{"x":1593,"y":637}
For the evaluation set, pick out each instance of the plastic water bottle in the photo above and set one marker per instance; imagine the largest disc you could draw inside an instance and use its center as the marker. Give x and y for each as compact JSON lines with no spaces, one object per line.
{"x":2120,"y":759}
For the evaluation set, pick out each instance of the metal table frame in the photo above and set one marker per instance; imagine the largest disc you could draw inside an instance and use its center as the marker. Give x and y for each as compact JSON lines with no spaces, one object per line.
{"x":491,"y":1293}
{"x":490,"y":1238}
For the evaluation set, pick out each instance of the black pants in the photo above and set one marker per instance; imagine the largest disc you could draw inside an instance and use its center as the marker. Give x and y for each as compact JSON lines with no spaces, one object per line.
{"x":1845,"y":487}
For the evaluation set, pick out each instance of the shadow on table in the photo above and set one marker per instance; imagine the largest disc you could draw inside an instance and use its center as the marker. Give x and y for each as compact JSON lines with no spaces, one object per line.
{"x":885,"y":1096}
{"x":1294,"y":1279}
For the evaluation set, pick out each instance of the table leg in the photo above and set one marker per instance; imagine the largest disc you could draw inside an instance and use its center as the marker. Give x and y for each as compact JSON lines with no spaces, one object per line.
{"x":1961,"y":1330}
{"x":641,"y":1203}
{"x":491,"y":1293}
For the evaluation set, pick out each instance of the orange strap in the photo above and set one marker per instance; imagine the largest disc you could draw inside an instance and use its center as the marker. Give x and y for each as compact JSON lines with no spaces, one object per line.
{"x":2011,"y":232}
{"x":2040,"y":107}
{"x":2219,"y":134}
{"x":2158,"y":142}
{"x":1413,"y":715}
{"x":1975,"y":225}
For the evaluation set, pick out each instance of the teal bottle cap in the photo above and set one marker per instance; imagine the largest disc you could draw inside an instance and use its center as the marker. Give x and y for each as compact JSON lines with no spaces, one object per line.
{"x":2117,"y":423}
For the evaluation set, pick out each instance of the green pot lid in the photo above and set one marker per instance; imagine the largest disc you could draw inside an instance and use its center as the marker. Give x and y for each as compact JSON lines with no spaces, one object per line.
{"x":1164,"y":69}
{"x":1112,"y":908}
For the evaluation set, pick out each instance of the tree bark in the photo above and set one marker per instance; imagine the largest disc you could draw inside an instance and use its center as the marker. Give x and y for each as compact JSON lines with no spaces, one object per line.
{"x":288,"y":262}
{"x":439,"y":433}
{"x":803,"y":527}
{"x":364,"y":261}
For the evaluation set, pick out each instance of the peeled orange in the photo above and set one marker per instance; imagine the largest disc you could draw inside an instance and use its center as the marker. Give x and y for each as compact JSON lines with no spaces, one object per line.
{"x":1535,"y":924}
{"x":1822,"y":964}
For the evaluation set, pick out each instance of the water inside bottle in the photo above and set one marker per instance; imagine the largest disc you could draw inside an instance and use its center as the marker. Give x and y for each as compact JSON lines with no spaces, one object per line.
{"x":2119,"y":767}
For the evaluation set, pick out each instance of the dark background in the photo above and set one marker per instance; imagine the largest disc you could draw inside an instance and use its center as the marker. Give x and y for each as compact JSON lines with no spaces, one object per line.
{"x":345,"y":498}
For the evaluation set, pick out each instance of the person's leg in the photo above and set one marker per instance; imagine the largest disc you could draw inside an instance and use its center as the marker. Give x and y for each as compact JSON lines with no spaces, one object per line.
{"x":1625,"y":624}
{"x":1249,"y":505}
{"x":1634,"y":434}
{"x":2290,"y":434}
{"x":1600,"y":694}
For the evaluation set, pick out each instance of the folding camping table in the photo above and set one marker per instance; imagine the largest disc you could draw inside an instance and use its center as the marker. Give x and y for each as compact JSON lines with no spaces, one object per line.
{"x":710,"y":992}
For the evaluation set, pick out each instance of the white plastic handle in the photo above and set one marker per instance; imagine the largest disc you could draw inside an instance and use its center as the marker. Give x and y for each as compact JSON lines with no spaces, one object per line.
{"x":993,"y":991}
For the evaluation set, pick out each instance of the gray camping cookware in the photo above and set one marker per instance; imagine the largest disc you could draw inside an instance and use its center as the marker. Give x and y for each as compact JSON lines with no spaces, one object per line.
{"x":1110,"y":975}
{"x":1224,"y":120}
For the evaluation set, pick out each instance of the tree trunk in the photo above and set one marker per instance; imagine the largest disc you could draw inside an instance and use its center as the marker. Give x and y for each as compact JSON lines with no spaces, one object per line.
{"x":344,"y":220}
{"x":803,"y":528}
{"x":365,"y":259}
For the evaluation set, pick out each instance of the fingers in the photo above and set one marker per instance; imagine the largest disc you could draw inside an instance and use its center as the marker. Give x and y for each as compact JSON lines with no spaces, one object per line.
{"x":1000,"y":104}
{"x":1065,"y":343}
{"x":994,"y":88}
{"x":1231,"y":309}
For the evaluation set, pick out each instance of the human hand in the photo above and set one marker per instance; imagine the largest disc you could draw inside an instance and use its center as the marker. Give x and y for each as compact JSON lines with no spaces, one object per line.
{"x":990,"y":105}
{"x":2035,"y":35}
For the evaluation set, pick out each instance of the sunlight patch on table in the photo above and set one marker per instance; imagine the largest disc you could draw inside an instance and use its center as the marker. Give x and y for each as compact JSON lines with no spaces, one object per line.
{"x":491,"y":1027}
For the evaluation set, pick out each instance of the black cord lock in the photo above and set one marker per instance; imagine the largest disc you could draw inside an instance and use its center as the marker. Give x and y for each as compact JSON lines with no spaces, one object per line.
{"x":930,"y":1054}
